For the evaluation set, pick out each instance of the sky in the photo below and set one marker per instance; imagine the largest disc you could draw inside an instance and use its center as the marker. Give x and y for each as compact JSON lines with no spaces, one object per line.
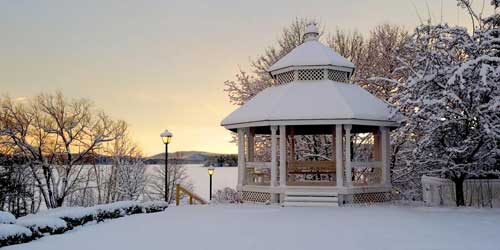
{"x":162,"y":64}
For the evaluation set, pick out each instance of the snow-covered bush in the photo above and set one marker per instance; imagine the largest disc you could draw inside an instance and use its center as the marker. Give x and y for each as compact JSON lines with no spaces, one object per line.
{"x":117,"y":209}
{"x":6,"y":218}
{"x":40,"y":225}
{"x":153,"y":206}
{"x":14,"y":234}
{"x":227,"y":195}
{"x":74,"y":216}
{"x":60,"y":220}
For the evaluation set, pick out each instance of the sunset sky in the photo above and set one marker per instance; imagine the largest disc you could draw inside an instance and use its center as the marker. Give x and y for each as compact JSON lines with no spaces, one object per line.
{"x":162,"y":64}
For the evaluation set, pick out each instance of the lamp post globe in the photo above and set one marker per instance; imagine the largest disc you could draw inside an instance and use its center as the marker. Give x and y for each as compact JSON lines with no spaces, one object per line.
{"x":166,"y":137}
{"x":211,"y":171}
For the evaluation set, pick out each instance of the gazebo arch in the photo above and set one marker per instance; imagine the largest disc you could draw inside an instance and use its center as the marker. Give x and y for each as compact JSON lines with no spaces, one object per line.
{"x":313,"y":96}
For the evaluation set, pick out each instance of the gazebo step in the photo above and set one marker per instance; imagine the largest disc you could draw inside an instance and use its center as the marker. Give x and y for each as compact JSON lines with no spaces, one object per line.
{"x":310,"y":204}
{"x":311,"y":193}
{"x":310,"y":199}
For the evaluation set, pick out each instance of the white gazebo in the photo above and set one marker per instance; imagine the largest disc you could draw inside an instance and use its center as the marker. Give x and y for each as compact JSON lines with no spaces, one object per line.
{"x":313,"y":96}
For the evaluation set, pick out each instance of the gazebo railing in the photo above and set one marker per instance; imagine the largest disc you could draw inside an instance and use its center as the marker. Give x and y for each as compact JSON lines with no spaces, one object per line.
{"x":366,"y":173}
{"x":258,"y":173}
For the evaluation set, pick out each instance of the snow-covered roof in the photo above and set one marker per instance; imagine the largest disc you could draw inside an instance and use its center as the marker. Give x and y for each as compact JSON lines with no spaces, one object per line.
{"x":324,"y":101}
{"x":311,"y":53}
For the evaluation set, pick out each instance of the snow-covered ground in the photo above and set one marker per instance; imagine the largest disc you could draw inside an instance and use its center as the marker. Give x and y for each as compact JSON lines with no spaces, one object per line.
{"x":230,"y":227}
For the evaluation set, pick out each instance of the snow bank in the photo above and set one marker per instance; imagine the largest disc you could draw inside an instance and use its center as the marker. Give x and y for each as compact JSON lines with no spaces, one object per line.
{"x":6,"y":218}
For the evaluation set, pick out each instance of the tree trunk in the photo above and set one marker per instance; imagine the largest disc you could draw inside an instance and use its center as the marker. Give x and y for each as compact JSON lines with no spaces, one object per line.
{"x":459,"y":191}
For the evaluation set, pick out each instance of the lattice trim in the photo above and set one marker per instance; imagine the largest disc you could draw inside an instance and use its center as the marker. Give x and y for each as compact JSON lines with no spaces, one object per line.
{"x":285,"y":77}
{"x":371,"y":197}
{"x":250,"y":196}
{"x":338,"y":76}
{"x":311,"y":74}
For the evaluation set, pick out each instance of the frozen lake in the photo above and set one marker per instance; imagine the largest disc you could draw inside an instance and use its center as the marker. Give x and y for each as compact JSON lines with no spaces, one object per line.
{"x":198,"y":175}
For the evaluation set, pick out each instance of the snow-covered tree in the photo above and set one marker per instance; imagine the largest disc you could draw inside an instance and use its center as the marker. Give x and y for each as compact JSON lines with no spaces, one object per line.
{"x":449,"y":106}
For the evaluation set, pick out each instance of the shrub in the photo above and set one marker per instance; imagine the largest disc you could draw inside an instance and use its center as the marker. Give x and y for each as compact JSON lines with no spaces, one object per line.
{"x":117,"y":209}
{"x":73,"y":216}
{"x":14,"y":234}
{"x":60,"y":220}
{"x":40,"y":225}
{"x":153,"y":206}
{"x":227,"y":195}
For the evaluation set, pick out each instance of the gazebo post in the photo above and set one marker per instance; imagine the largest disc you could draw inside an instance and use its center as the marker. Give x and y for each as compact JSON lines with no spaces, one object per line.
{"x":348,"y":167}
{"x":339,"y":173}
{"x":250,"y":144}
{"x":376,"y":146}
{"x":386,"y":145}
{"x":283,"y":172}
{"x":241,"y":157}
{"x":274,"y":163}
{"x":292,"y":143}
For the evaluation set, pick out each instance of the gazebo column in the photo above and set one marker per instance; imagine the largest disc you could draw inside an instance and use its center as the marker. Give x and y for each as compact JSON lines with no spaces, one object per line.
{"x":274,"y":162}
{"x":384,"y":153}
{"x":338,"y":156}
{"x":250,"y":145}
{"x":241,"y":157}
{"x":292,"y":144}
{"x":283,"y":172}
{"x":348,"y":167}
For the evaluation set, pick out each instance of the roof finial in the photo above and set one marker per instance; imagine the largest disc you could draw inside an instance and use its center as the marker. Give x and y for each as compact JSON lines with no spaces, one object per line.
{"x":311,"y":33}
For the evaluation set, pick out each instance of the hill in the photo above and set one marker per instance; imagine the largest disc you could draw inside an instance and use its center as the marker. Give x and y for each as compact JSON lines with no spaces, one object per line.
{"x":195,"y":157}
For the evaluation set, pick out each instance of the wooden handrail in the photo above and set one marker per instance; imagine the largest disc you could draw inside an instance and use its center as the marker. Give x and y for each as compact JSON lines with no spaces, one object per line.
{"x":179,"y":189}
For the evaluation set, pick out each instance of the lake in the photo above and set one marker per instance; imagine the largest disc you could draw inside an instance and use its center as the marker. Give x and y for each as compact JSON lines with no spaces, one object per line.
{"x":198,"y":175}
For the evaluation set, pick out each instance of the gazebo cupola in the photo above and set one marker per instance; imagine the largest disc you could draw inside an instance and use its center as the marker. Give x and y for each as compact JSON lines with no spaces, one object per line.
{"x":312,"y":61}
{"x":313,"y":97}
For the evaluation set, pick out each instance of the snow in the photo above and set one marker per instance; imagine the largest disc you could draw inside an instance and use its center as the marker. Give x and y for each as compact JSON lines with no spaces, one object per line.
{"x":7,"y":230}
{"x":312,"y":53}
{"x":6,"y":218}
{"x":36,"y":221}
{"x":166,"y":133}
{"x":116,"y":205}
{"x":69,"y":212}
{"x":271,"y":227}
{"x":311,"y":100}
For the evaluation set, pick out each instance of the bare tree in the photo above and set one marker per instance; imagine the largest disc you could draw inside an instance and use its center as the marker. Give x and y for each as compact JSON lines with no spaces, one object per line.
{"x":56,"y":137}
{"x":176,"y":175}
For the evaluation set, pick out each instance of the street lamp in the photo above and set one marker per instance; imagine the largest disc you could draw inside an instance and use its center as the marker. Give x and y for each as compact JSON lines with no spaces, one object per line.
{"x":211,"y":171}
{"x":166,"y":136}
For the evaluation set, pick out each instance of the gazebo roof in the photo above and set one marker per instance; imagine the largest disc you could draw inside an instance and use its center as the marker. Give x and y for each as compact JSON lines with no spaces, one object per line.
{"x":311,"y":103}
{"x":312,"y":53}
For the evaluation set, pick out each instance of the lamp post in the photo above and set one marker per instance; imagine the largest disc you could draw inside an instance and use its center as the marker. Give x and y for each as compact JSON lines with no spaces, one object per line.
{"x":166,"y":136}
{"x":211,"y":171}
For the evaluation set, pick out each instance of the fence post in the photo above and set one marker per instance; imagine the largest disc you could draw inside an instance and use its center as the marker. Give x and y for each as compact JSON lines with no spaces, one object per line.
{"x":177,"y":194}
